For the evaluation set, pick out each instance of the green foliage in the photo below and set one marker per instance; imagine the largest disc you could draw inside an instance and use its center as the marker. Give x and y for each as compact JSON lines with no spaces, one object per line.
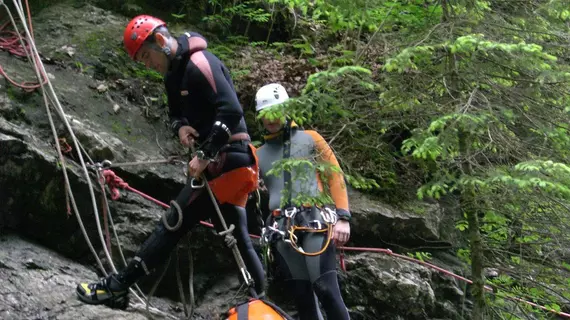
{"x":303,"y":176}
{"x":422,"y":256}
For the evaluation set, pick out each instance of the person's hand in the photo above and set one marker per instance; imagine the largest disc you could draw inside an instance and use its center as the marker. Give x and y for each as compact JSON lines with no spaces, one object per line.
{"x":341,"y":232}
{"x":197,"y":166}
{"x":187,"y":135}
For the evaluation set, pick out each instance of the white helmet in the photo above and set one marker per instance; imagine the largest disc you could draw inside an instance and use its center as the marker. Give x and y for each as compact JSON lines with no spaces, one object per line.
{"x":270,"y":95}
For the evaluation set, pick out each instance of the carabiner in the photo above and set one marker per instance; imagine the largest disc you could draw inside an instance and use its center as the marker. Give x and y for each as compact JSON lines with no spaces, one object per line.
{"x":196,"y":186}
{"x":290,"y":212}
{"x":106,"y":164}
{"x":329,"y":215}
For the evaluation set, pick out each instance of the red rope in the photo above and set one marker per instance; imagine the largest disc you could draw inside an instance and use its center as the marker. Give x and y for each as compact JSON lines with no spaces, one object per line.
{"x":10,"y":42}
{"x":341,"y":260}
{"x":115,"y":182}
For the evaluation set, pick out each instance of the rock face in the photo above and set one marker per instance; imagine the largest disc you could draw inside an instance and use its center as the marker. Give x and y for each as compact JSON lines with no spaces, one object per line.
{"x":382,"y":287}
{"x":377,"y":224}
{"x":39,"y":284}
{"x":33,"y":197}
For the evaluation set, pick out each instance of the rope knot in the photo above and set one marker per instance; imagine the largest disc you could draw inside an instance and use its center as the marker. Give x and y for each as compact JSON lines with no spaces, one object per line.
{"x":114,"y":182}
{"x":228,"y":236}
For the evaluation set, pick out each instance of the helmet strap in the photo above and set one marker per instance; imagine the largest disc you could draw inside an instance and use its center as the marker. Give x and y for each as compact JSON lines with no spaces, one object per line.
{"x":166,"y":49}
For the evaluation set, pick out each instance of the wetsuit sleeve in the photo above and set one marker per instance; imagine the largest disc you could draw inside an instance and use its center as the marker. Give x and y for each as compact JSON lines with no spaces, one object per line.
{"x":336,"y":180}
{"x":212,"y":77}
{"x":228,"y":107}
{"x":175,"y":111}
{"x":196,"y":42}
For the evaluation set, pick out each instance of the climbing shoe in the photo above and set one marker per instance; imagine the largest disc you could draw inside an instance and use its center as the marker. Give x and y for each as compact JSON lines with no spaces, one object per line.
{"x":106,"y":291}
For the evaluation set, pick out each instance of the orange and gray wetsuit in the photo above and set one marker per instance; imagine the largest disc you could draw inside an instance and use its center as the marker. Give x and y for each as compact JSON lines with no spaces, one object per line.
{"x":310,"y":277}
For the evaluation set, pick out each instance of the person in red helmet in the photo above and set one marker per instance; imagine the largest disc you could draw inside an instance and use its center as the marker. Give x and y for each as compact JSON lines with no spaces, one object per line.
{"x":204,"y":112}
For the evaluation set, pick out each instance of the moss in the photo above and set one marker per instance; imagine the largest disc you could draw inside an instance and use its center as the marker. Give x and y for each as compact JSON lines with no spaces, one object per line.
{"x":416,"y":207}
{"x":148,"y":74}
{"x":17,"y":94}
{"x":94,"y":43}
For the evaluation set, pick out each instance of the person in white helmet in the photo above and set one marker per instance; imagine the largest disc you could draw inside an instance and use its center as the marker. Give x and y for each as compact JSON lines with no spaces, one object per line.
{"x":308,"y":258}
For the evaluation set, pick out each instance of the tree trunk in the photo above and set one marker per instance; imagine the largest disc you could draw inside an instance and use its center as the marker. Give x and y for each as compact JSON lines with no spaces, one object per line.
{"x":475,"y":240}
{"x":445,"y":10}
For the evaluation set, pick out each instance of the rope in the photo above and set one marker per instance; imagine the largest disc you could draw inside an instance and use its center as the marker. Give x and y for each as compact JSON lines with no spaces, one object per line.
{"x":119,"y":245}
{"x":178,"y":222}
{"x":227,"y":233}
{"x":155,"y":286}
{"x":40,"y":71}
{"x":190,"y":278}
{"x":449,"y":273}
{"x":126,"y":186}
{"x":13,"y":42}
{"x":171,"y":159}
{"x":105,"y":206}
{"x":180,"y":286}
{"x":293,"y":239}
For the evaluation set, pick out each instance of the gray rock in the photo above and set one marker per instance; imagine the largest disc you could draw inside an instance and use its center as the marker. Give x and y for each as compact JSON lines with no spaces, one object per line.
{"x":378,"y":224}
{"x":378,"y":286}
{"x":49,"y":292}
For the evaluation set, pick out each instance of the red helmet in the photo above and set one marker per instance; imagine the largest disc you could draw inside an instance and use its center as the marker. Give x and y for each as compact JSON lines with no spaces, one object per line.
{"x":136,"y":32}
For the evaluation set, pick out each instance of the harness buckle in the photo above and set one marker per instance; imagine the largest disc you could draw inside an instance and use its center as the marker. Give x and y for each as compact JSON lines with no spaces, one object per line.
{"x":317,"y":223}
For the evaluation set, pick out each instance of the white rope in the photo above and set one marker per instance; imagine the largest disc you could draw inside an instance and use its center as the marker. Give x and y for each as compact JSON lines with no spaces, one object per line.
{"x":39,"y":70}
{"x":39,"y":65}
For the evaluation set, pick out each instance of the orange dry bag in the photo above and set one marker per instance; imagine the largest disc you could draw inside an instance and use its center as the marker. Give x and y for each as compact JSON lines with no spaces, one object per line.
{"x":256,"y":309}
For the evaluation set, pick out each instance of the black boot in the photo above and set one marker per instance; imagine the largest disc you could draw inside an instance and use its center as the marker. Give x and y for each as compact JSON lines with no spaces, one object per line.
{"x":112,"y":290}
{"x":107,"y":291}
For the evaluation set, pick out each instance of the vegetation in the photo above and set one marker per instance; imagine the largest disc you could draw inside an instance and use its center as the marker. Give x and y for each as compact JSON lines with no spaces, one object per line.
{"x":463,"y":101}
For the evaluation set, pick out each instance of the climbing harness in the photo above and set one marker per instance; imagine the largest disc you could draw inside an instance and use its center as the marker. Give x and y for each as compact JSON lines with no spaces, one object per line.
{"x":284,"y":224}
{"x":295,"y":219}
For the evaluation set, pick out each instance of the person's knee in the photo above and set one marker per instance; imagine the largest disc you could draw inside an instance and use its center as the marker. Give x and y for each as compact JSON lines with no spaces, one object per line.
{"x":326,"y":287}
{"x":158,"y":246}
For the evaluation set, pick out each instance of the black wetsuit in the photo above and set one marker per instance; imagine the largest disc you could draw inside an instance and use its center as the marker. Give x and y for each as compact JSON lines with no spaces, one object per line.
{"x":200,"y":93}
